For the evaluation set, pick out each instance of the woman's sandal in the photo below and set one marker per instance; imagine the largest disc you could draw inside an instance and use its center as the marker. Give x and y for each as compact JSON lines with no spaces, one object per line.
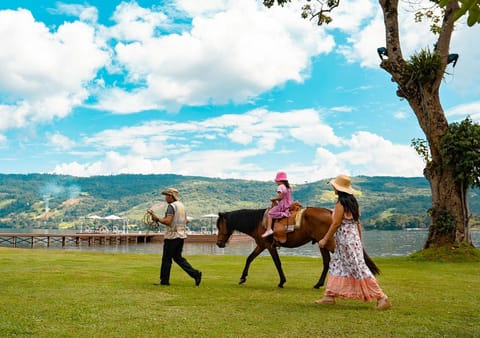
{"x":326,"y":300}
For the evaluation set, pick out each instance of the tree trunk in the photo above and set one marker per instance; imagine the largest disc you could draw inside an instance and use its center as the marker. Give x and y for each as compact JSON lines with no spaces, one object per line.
{"x":449,"y":212}
{"x":448,"y":217}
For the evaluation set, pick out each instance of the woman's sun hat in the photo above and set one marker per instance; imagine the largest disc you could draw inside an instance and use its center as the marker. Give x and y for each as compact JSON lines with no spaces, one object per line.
{"x":342,"y":183}
{"x":171,"y":192}
{"x":281,"y":176}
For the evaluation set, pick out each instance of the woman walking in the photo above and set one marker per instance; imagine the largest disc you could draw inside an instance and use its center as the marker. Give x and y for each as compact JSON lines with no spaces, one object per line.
{"x":349,"y":275}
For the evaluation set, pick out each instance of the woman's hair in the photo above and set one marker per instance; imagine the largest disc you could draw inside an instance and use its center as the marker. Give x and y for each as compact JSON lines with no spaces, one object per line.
{"x":350,"y":204}
{"x":285,"y":183}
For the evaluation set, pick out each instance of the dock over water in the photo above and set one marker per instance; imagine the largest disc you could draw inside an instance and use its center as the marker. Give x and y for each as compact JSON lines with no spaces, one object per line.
{"x":32,"y":240}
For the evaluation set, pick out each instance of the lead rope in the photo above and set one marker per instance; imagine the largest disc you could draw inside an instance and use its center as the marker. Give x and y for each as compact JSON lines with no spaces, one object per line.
{"x":150,"y":223}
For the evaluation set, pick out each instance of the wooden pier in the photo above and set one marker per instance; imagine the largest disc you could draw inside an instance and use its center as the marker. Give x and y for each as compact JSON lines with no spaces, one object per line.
{"x":32,"y":240}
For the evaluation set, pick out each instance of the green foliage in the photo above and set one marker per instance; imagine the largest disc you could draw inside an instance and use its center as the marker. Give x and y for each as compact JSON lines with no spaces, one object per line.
{"x":461,"y":150}
{"x":422,"y":149}
{"x":472,"y":7}
{"x":431,"y":15}
{"x":423,"y":67}
{"x":319,"y":11}
{"x":270,"y":3}
{"x":462,"y":252}
{"x":445,"y":221}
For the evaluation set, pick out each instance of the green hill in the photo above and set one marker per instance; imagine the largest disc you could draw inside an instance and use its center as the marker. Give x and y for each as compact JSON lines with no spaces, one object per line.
{"x":56,"y":201}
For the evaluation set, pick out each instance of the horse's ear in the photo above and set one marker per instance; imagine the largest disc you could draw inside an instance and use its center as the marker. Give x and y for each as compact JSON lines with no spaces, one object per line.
{"x":221,"y":214}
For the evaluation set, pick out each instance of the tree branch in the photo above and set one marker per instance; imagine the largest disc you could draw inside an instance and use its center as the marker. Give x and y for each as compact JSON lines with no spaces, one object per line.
{"x":445,"y":35}
{"x":390,"y":18}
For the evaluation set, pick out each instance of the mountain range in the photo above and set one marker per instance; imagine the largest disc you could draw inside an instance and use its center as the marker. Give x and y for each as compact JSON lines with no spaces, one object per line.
{"x":39,"y":201}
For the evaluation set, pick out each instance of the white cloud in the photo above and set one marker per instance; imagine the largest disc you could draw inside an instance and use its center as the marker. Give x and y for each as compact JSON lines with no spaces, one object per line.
{"x":460,"y":112}
{"x":400,"y":115}
{"x":464,"y":77}
{"x":372,"y":155}
{"x":362,"y":45}
{"x":84,"y":13}
{"x":304,"y":125}
{"x":199,"y":8}
{"x":115,"y":163}
{"x":350,"y":16}
{"x":342,"y":109}
{"x":240,"y":140}
{"x":217,"y":163}
{"x":363,"y":42}
{"x":60,"y":141}
{"x":234,"y":54}
{"x":44,"y":73}
{"x":135,"y":23}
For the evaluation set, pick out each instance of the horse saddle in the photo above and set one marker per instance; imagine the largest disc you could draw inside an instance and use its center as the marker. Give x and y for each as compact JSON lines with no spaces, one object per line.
{"x":288,"y":224}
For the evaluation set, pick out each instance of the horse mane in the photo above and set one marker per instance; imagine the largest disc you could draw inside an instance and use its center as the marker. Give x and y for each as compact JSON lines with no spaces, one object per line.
{"x":244,"y":220}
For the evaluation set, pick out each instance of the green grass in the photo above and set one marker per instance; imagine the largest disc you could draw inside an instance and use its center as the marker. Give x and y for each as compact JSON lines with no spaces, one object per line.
{"x":48,"y":293}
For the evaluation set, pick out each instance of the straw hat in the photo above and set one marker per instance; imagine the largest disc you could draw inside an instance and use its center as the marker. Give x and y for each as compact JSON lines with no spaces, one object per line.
{"x":171,"y":192}
{"x":342,"y":183}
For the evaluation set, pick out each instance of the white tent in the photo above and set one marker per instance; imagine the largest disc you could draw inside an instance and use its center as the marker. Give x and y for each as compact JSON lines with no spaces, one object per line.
{"x":113,"y":217}
{"x":109,"y":218}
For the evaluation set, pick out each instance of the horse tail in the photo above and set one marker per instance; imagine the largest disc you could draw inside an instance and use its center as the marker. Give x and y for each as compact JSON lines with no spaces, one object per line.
{"x":371,"y":265}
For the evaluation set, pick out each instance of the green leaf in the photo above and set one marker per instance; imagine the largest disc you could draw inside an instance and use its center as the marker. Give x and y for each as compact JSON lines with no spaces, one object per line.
{"x":474,"y":16}
{"x":466,"y":6}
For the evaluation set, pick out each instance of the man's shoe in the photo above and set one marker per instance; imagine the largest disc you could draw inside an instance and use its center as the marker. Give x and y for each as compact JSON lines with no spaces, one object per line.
{"x":161,"y":283}
{"x":198,"y":279}
{"x":267,"y":233}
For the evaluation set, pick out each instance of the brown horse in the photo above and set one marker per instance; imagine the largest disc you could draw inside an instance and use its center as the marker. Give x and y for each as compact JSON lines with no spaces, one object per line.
{"x":314,"y":225}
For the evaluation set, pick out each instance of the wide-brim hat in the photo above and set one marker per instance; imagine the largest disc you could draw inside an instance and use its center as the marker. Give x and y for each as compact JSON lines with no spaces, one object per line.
{"x":342,"y":183}
{"x":172,"y":192}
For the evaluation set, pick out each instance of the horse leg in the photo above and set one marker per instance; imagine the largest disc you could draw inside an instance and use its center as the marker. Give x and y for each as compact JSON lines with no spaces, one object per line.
{"x":257,"y":251}
{"x":326,"y":262}
{"x":278,"y":264}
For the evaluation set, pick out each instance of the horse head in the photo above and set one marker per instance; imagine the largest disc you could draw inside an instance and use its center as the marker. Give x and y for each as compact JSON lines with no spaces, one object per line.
{"x":223,"y":233}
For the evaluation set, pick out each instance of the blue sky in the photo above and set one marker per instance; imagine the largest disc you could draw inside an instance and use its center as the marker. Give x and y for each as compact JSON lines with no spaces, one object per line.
{"x":213,"y":88}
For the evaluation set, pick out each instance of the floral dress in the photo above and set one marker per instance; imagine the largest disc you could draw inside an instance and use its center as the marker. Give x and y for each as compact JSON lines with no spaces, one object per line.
{"x":350,"y":276}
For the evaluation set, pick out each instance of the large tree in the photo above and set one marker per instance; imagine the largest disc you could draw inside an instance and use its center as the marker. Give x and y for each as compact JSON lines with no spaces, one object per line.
{"x":419,"y":79}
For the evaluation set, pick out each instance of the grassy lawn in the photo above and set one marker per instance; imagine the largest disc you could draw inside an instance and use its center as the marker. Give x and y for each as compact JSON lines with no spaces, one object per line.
{"x":48,"y":293}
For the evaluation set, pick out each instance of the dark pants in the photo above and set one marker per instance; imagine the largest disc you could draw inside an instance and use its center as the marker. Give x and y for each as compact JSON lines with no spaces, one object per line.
{"x":172,"y":250}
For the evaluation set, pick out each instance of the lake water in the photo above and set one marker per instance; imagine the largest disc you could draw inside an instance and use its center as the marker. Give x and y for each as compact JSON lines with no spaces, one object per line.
{"x":377,"y":244}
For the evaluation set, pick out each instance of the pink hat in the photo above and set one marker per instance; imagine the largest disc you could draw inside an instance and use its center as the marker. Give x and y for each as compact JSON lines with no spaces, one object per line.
{"x":281,"y":176}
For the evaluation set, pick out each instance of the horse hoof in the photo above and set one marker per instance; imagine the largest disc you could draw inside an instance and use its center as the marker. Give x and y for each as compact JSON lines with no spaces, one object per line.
{"x":243,"y":280}
{"x":317,"y":286}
